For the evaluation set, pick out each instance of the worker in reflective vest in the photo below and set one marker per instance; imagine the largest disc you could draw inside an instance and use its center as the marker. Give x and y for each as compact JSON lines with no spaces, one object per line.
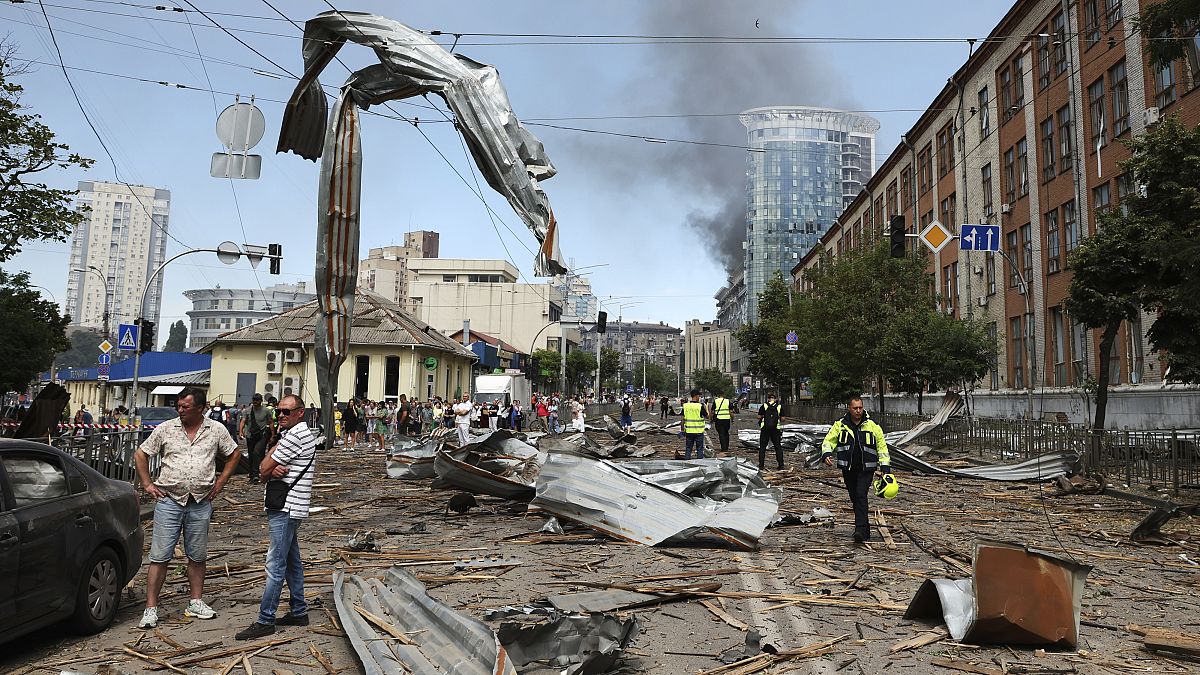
{"x":722,"y":420}
{"x":770,"y":416}
{"x":693,"y":426}
{"x":861,"y":451}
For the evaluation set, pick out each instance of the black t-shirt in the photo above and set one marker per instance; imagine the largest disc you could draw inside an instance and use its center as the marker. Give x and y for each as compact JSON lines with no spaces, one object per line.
{"x":626,"y":408}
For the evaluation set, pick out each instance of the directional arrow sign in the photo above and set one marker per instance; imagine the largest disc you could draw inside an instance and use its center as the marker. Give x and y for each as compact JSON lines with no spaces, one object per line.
{"x":936,"y":236}
{"x":980,"y":237}
{"x":127,"y":337}
{"x":104,"y":359}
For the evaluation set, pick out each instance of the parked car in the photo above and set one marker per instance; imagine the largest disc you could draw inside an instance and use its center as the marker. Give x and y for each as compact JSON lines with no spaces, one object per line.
{"x":153,"y":416}
{"x":70,"y":540}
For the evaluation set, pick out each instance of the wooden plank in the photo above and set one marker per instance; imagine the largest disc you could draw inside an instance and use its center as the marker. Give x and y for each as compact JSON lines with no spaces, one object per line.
{"x":724,"y":616}
{"x":1176,"y":642}
{"x":920,"y":640}
{"x":884,"y":531}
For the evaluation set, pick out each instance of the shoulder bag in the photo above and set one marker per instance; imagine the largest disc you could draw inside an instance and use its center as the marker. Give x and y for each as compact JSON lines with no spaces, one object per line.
{"x":278,"y":489}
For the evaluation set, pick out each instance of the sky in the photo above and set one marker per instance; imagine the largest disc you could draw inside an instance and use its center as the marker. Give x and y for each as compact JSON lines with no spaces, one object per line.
{"x":649,"y":222}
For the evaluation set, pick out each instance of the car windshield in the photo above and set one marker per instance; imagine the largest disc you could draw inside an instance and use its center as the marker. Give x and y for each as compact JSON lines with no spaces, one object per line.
{"x":160,"y":414}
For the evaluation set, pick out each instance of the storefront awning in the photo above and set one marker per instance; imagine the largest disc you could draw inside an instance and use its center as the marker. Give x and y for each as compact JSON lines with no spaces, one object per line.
{"x":166,"y":390}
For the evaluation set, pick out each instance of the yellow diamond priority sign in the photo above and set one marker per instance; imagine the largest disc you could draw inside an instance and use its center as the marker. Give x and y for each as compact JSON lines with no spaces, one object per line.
{"x":106,"y":347}
{"x":936,"y":236}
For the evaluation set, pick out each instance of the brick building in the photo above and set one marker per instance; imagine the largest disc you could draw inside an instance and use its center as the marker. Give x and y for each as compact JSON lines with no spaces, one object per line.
{"x":1026,"y":135}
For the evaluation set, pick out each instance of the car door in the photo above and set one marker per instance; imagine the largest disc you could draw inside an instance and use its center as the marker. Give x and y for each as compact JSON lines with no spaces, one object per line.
{"x":55,"y":527}
{"x":10,"y":558}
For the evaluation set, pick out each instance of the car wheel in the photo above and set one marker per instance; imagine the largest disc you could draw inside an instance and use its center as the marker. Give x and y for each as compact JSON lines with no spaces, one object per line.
{"x":99,"y":592}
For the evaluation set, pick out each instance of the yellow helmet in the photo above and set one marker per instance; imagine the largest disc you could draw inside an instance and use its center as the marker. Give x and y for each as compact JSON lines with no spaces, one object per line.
{"x":887,"y":487}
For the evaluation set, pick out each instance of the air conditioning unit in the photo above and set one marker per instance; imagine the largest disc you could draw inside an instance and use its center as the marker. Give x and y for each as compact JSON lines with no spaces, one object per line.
{"x":1006,"y":208}
{"x":291,"y":385}
{"x":1151,"y":116}
{"x":978,"y":269}
{"x":982,"y":300}
{"x":274,"y":362}
{"x":293,"y":355}
{"x":271,"y":388}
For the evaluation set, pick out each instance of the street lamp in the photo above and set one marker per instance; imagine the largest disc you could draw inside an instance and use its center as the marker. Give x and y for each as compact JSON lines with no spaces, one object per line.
{"x":54,"y":356}
{"x":228,"y":253}
{"x":562,"y":340}
{"x":600,"y":307}
{"x":107,"y":327}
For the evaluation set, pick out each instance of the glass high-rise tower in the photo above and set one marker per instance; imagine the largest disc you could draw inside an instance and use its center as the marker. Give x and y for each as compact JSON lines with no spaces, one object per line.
{"x":804,"y":166}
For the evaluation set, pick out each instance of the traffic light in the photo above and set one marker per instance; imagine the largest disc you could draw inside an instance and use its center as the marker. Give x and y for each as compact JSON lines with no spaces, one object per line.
{"x":897,"y":232}
{"x":146,"y":335}
{"x":275,"y":251}
{"x":602,"y":322}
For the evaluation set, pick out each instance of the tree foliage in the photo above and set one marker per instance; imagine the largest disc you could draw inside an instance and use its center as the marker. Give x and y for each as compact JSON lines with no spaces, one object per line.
{"x":764,"y":341}
{"x":31,"y":333}
{"x":177,"y":341}
{"x":546,"y":364}
{"x":658,"y":379}
{"x":29,"y":209}
{"x":713,"y":381}
{"x":581,"y":365}
{"x":1178,"y":19}
{"x":928,"y":350}
{"x":610,"y":364}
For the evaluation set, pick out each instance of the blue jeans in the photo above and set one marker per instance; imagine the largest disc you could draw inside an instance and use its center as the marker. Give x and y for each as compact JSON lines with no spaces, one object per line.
{"x":698,"y":441}
{"x":554,"y":424}
{"x":283,"y":566}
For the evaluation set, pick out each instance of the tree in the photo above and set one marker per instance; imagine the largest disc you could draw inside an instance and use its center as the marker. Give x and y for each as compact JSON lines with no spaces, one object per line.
{"x":927,"y":349}
{"x":658,"y":379}
{"x":31,"y":333}
{"x":610,"y":364}
{"x":546,"y":363}
{"x":177,"y":341}
{"x":30,"y":210}
{"x":580,"y":367}
{"x":764,"y":340}
{"x":1176,"y":19}
{"x":712,"y":380}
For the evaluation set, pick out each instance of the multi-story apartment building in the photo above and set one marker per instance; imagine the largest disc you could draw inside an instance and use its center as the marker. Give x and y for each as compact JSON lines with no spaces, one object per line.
{"x":114,"y":252}
{"x":220,"y":310}
{"x":804,"y":165}
{"x":579,"y":303}
{"x":1026,"y":135}
{"x":657,"y":343}
{"x":385,"y":269}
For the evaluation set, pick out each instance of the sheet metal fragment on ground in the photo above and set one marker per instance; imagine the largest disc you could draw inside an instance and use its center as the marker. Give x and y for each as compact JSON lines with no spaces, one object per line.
{"x":499,"y":464}
{"x":580,"y":644}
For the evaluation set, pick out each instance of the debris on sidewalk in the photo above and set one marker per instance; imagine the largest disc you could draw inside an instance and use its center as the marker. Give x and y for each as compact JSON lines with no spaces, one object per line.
{"x":579,"y":644}
{"x":617,"y":433}
{"x":362,"y":540}
{"x":1168,"y":640}
{"x":616,"y":500}
{"x":500,"y":464}
{"x":412,"y":460}
{"x":1016,"y":595}
{"x":1148,"y":531}
{"x":395,"y":627}
{"x":819,"y":515}
{"x":1079,"y":485}
{"x":581,"y":443}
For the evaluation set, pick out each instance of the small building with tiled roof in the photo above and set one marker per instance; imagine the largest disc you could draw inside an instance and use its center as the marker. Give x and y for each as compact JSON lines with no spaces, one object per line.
{"x":494,"y":354}
{"x":391,"y":353}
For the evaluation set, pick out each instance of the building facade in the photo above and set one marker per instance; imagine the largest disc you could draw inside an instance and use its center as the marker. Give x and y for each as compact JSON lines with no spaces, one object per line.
{"x":1026,"y":135}
{"x":804,"y":165}
{"x":656,"y":343}
{"x":219,"y":310}
{"x":707,"y":344}
{"x":114,"y":251}
{"x":579,"y":303}
{"x":731,"y":302}
{"x":385,"y":269}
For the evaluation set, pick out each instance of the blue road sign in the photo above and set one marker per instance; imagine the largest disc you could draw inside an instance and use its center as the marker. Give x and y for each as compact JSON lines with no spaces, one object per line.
{"x":791,"y":337}
{"x":127,"y":337}
{"x":979,"y":237}
{"x":629,"y":389}
{"x":104,"y":359}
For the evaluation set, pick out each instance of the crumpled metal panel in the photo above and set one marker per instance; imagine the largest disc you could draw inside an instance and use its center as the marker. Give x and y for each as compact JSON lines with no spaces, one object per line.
{"x":445,"y":640}
{"x":581,"y":644}
{"x":413,"y":460}
{"x":1042,"y":467}
{"x":500,"y":464}
{"x":1016,"y":595}
{"x":511,"y":159}
{"x":620,"y":503}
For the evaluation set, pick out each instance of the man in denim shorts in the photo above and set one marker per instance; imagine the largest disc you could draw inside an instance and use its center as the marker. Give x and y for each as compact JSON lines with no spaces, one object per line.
{"x":187,"y":449}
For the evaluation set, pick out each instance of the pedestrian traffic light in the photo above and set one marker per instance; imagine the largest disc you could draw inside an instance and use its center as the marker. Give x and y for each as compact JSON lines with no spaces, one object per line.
{"x":602,"y":322}
{"x":897,"y":232}
{"x":275,"y":251}
{"x":146,"y":335}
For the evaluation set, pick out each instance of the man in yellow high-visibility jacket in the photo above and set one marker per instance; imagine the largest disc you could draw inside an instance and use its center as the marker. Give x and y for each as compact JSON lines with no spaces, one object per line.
{"x":721,"y":419}
{"x":693,"y":426}
{"x":857,"y":445}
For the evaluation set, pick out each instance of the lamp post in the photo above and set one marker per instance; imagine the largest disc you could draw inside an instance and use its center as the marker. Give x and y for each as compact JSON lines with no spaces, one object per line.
{"x":54,"y":356}
{"x":600,"y":307}
{"x":228,"y":253}
{"x":107,"y":327}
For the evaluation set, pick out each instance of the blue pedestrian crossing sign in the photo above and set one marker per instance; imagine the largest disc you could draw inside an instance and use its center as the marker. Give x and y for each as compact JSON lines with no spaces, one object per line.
{"x":629,"y":389}
{"x":979,"y":237}
{"x":127,"y":337}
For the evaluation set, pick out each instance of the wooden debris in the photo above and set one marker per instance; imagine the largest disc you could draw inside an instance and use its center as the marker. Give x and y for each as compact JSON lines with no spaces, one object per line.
{"x":884,"y":531}
{"x":322,"y":659}
{"x":761,"y":662}
{"x":383,"y":625}
{"x":1169,"y":640}
{"x":161,"y":663}
{"x":965,"y":667}
{"x":920,"y":640}
{"x":724,"y":616}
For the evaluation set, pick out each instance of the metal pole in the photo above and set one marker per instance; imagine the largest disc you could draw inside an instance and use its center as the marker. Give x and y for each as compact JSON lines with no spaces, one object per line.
{"x":1030,"y":336}
{"x":597,"y":392}
{"x":107,"y":332}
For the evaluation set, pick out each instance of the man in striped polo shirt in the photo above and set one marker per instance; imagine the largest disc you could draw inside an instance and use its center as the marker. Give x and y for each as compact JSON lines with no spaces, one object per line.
{"x":292,"y":460}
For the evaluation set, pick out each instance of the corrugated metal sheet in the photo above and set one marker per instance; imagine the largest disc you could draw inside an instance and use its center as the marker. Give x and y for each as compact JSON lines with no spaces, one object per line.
{"x":446,"y":641}
{"x":500,"y":464}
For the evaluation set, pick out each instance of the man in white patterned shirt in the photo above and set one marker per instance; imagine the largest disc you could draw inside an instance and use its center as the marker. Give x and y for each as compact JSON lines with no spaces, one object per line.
{"x":293,"y":460}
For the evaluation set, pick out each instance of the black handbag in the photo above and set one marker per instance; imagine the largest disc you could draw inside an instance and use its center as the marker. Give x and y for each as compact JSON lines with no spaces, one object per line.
{"x":278,"y":489}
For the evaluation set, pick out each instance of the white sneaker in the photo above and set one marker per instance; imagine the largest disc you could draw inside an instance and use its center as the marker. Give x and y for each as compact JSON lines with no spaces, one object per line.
{"x":149,"y":618}
{"x":198,"y":610}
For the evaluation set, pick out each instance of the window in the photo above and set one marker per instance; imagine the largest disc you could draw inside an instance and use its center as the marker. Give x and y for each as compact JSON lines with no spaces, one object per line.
{"x":1058,"y":348}
{"x":1059,"y":29}
{"x":1011,"y":246}
{"x":925,"y":168}
{"x":1006,"y":100}
{"x":950,"y":287}
{"x":1124,"y":189}
{"x":1066,"y":143}
{"x":250,"y":303}
{"x":949,"y":218}
{"x":1096,"y":110}
{"x":906,"y":186}
{"x":985,"y":115}
{"x":1112,"y":11}
{"x":1101,"y":198}
{"x":1052,"y":248}
{"x":1070,"y":226}
{"x":893,"y":200}
{"x":945,"y":151}
{"x":1018,"y":83}
{"x":1022,"y":168}
{"x":1079,"y":340}
{"x":449,"y":278}
{"x":1091,"y":22}
{"x":1120,"y":97}
{"x":1043,"y":54}
{"x":1193,"y":57}
{"x":985,"y":183}
{"x":34,"y":479}
{"x":989,"y":271}
{"x":1010,"y":177}
{"x":1048,"y":164}
{"x":1164,"y":85}
{"x":1017,"y":358}
{"x":1027,"y":252}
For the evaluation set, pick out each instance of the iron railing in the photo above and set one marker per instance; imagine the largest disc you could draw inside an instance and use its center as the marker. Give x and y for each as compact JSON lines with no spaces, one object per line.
{"x":108,"y":451}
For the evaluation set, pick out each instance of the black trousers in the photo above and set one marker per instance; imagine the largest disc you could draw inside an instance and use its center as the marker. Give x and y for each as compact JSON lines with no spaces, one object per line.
{"x":256,"y":448}
{"x":774,"y":436}
{"x":858,"y":481}
{"x":723,"y":434}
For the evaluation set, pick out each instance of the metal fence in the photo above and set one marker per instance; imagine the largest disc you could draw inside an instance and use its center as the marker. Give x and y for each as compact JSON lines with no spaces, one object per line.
{"x":1144,"y":459}
{"x":108,"y":451}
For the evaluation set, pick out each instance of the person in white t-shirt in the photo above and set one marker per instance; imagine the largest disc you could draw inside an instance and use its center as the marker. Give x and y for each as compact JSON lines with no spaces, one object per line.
{"x":577,"y":414}
{"x":462,"y":420}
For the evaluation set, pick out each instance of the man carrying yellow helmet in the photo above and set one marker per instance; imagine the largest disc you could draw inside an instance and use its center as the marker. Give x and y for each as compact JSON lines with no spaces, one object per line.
{"x":861,"y":451}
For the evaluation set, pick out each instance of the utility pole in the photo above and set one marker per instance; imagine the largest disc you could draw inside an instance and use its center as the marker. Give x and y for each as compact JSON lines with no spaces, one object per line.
{"x":107,"y":328}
